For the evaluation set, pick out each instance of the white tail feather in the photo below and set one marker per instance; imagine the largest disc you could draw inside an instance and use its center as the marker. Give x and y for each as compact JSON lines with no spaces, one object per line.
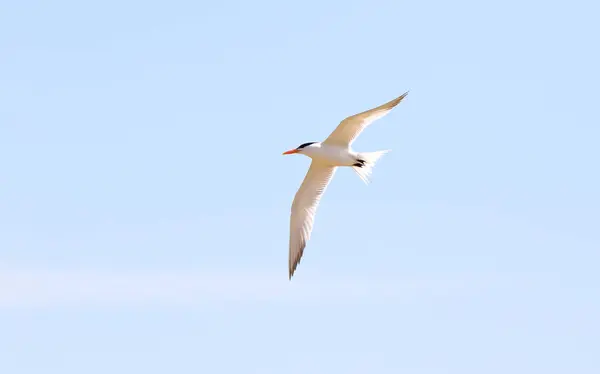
{"x":370,"y":158}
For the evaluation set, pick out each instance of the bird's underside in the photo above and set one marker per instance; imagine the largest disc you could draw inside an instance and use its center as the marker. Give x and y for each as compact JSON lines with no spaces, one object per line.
{"x":320,"y":173}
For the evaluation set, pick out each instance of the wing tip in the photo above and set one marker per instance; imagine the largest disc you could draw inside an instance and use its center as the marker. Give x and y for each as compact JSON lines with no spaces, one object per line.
{"x":391,"y":104}
{"x":291,"y":272}
{"x":399,"y":98}
{"x":294,"y":264}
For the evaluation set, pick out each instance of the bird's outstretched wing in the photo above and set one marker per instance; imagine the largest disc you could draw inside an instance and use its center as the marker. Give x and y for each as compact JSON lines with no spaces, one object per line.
{"x":351,"y":127}
{"x":304,"y":208}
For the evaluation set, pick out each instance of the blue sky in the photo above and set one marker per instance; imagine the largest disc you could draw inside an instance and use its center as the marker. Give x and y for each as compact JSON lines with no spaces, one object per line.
{"x":144,"y":201}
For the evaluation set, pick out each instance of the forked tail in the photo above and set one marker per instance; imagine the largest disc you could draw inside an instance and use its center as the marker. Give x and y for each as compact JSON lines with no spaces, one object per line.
{"x":365,"y":164}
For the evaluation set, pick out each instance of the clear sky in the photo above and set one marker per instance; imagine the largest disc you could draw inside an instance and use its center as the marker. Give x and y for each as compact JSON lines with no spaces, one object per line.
{"x":144,"y":200}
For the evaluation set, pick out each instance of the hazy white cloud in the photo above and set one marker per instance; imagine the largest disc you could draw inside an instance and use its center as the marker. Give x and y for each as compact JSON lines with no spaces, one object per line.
{"x":35,"y":287}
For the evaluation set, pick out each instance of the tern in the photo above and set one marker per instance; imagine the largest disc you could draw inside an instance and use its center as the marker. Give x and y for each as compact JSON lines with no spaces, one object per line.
{"x":327,"y":156}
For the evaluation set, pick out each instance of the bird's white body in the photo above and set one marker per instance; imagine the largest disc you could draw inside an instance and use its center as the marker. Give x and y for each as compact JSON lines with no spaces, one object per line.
{"x":327,"y":156}
{"x":332,"y":155}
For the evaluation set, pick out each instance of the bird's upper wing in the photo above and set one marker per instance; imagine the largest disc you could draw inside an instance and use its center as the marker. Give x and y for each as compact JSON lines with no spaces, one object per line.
{"x":351,"y":127}
{"x":304,"y":208}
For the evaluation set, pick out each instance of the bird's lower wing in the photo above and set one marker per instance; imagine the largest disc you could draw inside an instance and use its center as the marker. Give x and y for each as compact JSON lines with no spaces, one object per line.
{"x":304,"y":208}
{"x":351,"y":127}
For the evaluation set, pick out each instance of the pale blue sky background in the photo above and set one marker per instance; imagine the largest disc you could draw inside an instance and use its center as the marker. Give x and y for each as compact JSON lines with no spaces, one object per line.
{"x":144,"y":201}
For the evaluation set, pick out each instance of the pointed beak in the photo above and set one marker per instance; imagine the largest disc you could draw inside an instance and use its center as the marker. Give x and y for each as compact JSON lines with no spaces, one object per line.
{"x":291,"y":152}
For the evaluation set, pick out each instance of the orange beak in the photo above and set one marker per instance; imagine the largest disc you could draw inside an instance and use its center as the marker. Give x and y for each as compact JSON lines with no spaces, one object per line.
{"x":291,"y":152}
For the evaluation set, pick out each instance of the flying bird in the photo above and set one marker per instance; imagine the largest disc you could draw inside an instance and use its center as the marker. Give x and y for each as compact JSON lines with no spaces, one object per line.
{"x":327,"y":156}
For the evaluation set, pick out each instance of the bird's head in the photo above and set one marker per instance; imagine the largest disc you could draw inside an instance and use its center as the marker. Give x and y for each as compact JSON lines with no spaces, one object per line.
{"x":302,"y":148}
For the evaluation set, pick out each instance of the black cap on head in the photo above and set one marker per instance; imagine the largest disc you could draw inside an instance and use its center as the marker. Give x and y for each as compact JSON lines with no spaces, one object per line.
{"x":305,"y":145}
